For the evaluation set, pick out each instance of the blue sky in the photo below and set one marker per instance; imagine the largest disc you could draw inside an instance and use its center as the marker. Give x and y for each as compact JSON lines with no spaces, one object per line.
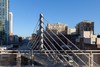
{"x":26,"y":13}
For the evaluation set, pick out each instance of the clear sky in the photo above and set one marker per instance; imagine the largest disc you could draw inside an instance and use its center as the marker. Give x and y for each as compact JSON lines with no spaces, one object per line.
{"x":26,"y":13}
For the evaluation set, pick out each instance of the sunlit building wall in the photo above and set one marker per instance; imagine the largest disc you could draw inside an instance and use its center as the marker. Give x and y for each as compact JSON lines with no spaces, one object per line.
{"x":58,"y":27}
{"x":10,"y":23}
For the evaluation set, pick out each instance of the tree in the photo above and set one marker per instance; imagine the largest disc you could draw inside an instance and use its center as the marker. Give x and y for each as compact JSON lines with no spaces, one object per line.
{"x":20,"y":39}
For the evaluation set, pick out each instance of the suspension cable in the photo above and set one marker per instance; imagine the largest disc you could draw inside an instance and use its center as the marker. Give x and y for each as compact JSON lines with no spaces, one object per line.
{"x":61,"y":47}
{"x":36,"y":46}
{"x":69,"y":48}
{"x":57,"y":50}
{"x":33,"y":31}
{"x":49,"y":52}
{"x":49,"y":46}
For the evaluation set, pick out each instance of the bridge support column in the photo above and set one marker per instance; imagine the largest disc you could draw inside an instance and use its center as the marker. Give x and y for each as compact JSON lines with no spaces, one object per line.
{"x":18,"y":59}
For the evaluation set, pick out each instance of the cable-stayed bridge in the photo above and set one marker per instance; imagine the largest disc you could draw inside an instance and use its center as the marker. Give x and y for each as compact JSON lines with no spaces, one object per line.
{"x":47,"y":49}
{"x":50,"y":44}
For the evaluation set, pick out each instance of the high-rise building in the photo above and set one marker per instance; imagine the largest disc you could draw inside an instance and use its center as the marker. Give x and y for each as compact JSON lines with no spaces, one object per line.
{"x":4,"y":18}
{"x":10,"y":23}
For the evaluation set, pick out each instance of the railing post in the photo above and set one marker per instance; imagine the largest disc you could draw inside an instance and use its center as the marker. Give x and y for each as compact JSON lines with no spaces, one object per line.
{"x":18,"y":59}
{"x":91,"y":59}
{"x":32,"y":58}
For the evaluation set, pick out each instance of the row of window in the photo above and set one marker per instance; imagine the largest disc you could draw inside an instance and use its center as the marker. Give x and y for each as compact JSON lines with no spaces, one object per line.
{"x":2,"y":11}
{"x":3,"y":5}
{"x":2,"y":2}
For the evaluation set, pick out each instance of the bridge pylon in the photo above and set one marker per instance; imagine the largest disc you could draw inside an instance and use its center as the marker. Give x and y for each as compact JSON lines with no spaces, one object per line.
{"x":41,"y":31}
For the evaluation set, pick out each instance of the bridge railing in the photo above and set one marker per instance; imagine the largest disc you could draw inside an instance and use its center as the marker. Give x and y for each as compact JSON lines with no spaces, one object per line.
{"x":18,"y":58}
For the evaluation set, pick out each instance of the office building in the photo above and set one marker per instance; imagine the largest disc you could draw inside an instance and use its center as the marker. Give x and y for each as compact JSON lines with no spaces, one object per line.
{"x":4,"y":18}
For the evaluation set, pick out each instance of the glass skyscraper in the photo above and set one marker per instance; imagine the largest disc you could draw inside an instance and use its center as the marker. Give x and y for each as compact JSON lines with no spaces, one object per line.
{"x":4,"y":19}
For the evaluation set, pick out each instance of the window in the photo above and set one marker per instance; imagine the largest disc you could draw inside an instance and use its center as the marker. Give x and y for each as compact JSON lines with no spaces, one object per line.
{"x":93,"y":42}
{"x":0,"y":11}
{"x":3,"y":11}
{"x":0,"y":4}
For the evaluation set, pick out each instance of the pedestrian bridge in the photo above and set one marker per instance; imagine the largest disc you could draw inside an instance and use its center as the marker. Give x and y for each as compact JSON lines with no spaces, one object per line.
{"x":45,"y":50}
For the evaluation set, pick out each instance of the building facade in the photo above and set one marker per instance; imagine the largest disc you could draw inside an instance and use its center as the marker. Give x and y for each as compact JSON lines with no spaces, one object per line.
{"x":85,"y":26}
{"x":71,"y":31}
{"x":4,"y":18}
{"x":10,"y":23}
{"x":86,"y":38}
